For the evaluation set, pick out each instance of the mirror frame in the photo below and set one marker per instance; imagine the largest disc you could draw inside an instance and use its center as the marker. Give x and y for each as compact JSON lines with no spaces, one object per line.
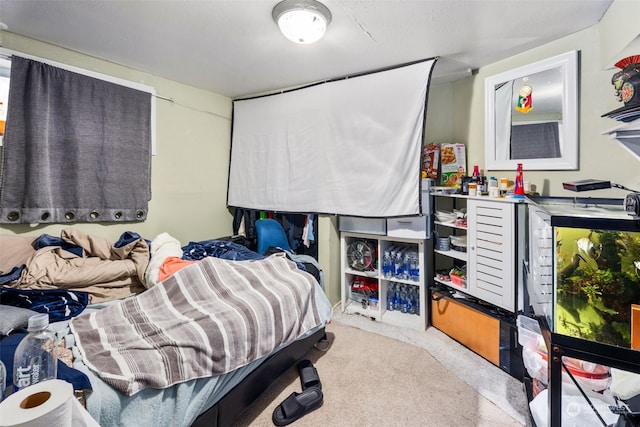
{"x":568,"y":63}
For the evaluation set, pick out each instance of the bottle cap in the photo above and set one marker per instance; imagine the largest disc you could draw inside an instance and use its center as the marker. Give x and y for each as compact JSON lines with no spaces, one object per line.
{"x":38,"y":322}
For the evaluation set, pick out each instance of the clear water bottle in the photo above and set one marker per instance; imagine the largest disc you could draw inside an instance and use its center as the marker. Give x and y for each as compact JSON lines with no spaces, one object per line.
{"x":386,"y":264}
{"x":36,"y":357}
{"x":391,"y":292}
{"x":406,"y":265}
{"x":404,"y":299}
{"x":411,"y":309}
{"x":396,"y":297}
{"x":398,"y":264}
{"x":414,"y":267}
{"x":392,"y":262}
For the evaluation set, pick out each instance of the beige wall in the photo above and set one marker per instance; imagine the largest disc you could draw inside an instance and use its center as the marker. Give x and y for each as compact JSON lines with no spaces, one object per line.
{"x":599,"y":157}
{"x":189,"y":171}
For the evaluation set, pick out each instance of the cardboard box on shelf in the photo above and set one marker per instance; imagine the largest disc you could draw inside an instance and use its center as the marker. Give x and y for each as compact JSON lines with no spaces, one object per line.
{"x":453,"y":164}
{"x":431,"y":160}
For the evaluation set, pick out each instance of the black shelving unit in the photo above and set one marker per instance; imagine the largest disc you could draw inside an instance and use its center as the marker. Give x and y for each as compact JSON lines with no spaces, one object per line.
{"x":565,"y":346}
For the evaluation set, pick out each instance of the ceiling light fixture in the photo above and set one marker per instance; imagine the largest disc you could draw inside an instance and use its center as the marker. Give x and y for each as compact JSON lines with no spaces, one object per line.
{"x":302,"y":21}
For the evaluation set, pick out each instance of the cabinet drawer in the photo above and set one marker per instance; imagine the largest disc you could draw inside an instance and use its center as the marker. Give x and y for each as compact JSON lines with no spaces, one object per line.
{"x":363,"y":225}
{"x":411,"y":227}
{"x":475,"y":330}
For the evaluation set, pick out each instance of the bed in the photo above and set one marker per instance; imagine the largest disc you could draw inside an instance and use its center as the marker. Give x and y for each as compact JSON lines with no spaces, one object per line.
{"x":191,"y":341}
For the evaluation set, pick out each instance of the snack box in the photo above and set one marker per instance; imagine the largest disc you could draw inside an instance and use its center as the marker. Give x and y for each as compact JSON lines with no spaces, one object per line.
{"x":453,"y":162}
{"x":431,"y":160}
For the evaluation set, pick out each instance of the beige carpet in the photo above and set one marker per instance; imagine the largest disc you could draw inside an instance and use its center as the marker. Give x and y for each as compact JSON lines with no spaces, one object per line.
{"x":370,"y":379}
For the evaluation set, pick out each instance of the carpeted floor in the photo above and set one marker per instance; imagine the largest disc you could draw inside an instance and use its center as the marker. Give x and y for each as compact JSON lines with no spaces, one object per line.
{"x":379,"y":375}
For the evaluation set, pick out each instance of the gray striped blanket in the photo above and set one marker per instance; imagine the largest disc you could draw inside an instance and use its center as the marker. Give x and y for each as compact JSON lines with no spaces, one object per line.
{"x":208,"y":318}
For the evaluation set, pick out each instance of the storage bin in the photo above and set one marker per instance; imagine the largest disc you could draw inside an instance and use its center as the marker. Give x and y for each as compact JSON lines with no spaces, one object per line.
{"x":363,"y":225}
{"x":410,"y":227}
{"x":529,"y":334}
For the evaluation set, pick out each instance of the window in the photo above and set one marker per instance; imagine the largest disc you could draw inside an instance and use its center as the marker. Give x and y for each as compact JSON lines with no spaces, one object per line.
{"x":77,"y":146}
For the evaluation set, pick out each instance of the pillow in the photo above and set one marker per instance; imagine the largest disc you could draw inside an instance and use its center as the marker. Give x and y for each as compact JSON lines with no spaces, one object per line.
{"x":13,"y":318}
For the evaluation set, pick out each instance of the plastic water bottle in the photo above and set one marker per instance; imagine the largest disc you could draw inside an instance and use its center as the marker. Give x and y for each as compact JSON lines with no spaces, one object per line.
{"x":36,"y":357}
{"x":398,"y":264}
{"x":410,"y":300}
{"x":414,"y":267}
{"x":392,"y":262}
{"x":396,"y":297}
{"x":406,"y":265}
{"x":391,"y":292}
{"x":404,"y":304}
{"x":386,"y":264}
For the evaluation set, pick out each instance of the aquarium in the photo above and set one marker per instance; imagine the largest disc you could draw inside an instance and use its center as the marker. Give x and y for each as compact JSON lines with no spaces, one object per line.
{"x":585,"y":269}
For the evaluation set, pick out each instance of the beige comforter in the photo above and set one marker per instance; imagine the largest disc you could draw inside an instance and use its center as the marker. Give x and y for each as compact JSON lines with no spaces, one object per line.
{"x":104,"y":271}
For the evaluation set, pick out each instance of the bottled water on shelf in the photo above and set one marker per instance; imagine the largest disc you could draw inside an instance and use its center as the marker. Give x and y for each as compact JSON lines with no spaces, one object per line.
{"x":386,"y":264}
{"x":406,"y":265}
{"x":391,"y":295}
{"x":392,"y":262}
{"x":410,"y":300}
{"x":404,"y":299}
{"x":398,"y":264}
{"x":411,"y":309}
{"x":36,"y":357}
{"x":414,"y":266}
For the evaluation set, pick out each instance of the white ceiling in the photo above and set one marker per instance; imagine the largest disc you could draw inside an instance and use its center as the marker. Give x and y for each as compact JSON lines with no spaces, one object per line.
{"x":233,"y":47}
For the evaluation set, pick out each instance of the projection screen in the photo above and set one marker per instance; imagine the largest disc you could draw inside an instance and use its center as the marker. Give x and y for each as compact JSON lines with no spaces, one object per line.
{"x":349,"y":146}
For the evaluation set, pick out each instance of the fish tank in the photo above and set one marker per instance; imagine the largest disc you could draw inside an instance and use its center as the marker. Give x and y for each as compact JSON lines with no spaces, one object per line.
{"x":584,"y":261}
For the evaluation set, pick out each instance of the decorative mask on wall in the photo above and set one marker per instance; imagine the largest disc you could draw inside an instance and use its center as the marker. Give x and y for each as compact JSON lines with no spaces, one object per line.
{"x":627,"y":86}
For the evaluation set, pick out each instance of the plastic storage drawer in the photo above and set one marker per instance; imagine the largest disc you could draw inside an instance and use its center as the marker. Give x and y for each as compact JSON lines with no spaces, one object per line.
{"x":363,"y":225}
{"x":410,"y":227}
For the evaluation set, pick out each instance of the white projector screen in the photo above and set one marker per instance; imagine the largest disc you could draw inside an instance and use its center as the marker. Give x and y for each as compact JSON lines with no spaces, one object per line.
{"x":348,"y":147}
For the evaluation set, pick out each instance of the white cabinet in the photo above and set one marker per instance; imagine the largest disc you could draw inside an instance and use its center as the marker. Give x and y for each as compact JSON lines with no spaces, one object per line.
{"x":365,"y":286}
{"x":491,"y":247}
{"x":494,"y":248}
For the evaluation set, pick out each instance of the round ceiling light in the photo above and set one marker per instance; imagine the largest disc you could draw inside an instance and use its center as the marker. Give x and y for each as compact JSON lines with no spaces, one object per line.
{"x":302,"y":21}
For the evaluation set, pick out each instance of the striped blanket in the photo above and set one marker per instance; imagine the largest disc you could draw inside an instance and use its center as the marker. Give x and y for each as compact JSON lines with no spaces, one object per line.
{"x":209,"y":318}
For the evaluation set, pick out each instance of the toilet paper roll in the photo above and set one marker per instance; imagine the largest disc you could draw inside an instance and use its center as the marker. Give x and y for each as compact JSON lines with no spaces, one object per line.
{"x":81,"y":418}
{"x":45,"y":404}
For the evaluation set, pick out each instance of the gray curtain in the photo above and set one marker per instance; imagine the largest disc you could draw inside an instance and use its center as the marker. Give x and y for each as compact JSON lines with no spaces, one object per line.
{"x":535,"y":141}
{"x":76,"y":148}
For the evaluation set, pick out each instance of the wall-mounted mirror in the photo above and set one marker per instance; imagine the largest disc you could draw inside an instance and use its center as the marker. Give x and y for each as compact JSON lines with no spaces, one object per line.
{"x":531,"y":116}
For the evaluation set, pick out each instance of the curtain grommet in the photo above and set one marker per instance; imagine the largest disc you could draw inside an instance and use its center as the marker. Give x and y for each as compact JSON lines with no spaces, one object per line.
{"x":13,"y":216}
{"x":69,"y":216}
{"x":94,"y":215}
{"x":45,"y":216}
{"x":118,"y":215}
{"x":140,"y":214}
